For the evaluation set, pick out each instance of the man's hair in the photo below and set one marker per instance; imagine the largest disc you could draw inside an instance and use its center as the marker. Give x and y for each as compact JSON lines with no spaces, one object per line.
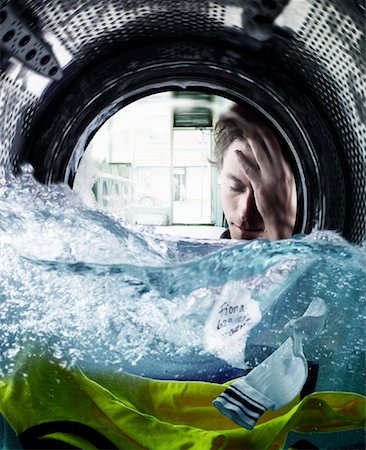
{"x":233,"y":125}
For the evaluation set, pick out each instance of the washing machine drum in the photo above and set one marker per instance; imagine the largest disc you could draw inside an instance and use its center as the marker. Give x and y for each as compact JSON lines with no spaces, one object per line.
{"x":67,"y":66}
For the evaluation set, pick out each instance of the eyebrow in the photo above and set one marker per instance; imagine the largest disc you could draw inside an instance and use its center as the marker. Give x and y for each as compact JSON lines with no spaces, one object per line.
{"x":241,"y":182}
{"x":234,"y":178}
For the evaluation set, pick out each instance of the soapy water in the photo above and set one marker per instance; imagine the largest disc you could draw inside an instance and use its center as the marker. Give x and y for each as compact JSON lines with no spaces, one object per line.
{"x":93,"y":292}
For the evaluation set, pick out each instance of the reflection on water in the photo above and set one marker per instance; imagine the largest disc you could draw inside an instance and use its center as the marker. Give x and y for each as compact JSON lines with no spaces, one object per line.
{"x":81,"y":285}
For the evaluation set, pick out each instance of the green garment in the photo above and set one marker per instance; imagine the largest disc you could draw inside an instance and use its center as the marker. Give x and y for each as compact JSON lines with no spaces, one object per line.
{"x":47,"y":401}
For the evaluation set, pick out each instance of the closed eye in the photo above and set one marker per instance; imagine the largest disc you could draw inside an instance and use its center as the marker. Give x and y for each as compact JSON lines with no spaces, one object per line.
{"x":238,"y":188}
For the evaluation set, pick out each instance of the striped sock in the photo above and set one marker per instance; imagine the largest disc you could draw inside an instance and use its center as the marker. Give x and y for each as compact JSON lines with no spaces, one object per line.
{"x":278,"y":379}
{"x":242,"y":408}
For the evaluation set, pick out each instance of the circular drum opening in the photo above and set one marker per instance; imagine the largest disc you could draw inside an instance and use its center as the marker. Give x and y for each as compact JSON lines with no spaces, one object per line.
{"x":154,"y":162}
{"x":81,"y":106}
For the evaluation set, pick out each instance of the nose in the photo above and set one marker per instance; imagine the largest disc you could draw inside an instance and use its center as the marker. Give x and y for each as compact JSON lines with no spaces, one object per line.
{"x":245,"y":206}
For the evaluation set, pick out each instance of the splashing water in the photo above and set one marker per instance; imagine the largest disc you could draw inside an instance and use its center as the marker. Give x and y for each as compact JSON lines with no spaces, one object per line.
{"x":84,"y":287}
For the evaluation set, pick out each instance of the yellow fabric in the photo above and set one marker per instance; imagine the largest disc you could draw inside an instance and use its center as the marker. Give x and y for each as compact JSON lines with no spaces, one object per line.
{"x":75,"y":441}
{"x":140,"y":413}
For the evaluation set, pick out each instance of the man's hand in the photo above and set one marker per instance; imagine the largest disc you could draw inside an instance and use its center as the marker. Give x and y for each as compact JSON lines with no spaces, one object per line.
{"x":272,"y":181}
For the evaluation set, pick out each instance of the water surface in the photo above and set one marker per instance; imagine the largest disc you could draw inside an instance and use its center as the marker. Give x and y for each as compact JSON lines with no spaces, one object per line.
{"x":83,"y":286}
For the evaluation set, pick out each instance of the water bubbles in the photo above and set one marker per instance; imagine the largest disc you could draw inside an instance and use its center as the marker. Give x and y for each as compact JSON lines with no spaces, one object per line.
{"x":80,"y":286}
{"x":12,"y":352}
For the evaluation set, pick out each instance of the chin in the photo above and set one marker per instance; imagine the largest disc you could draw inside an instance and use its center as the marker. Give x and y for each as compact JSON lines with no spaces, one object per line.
{"x":251,"y":236}
{"x":245,"y":235}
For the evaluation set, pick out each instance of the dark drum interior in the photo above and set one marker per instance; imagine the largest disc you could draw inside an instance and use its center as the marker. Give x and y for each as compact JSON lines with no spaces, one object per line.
{"x":67,"y":66}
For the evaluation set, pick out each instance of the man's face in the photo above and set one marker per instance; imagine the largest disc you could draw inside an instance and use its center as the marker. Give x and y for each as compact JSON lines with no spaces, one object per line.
{"x":237,"y":196}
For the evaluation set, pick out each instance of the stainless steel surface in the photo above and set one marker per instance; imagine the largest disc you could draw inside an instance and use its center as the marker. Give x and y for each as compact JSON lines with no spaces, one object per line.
{"x":320,"y":42}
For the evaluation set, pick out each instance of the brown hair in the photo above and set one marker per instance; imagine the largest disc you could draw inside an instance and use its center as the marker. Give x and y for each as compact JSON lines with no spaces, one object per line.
{"x":232,"y":125}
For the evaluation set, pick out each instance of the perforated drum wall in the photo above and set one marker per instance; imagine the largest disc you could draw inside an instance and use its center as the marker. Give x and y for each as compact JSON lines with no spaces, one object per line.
{"x":301,"y":60}
{"x":332,"y":60}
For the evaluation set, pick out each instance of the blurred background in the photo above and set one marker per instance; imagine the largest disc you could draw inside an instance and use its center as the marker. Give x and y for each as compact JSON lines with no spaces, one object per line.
{"x":151,"y":163}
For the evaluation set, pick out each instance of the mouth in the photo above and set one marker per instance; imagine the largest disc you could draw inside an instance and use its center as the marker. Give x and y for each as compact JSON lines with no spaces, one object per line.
{"x":246,"y":229}
{"x":248,"y":233}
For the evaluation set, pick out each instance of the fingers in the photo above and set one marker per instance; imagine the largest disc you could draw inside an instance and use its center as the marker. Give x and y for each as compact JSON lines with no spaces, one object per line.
{"x":249,"y":167}
{"x":262,"y":160}
{"x":272,"y":149}
{"x":261,"y":154}
{"x":255,"y":160}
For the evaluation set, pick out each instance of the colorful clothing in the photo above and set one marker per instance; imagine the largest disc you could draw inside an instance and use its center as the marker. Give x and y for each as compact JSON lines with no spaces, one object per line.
{"x":45,"y":402}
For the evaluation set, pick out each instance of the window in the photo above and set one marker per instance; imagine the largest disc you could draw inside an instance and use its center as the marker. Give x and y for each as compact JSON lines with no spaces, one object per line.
{"x":149,"y":163}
